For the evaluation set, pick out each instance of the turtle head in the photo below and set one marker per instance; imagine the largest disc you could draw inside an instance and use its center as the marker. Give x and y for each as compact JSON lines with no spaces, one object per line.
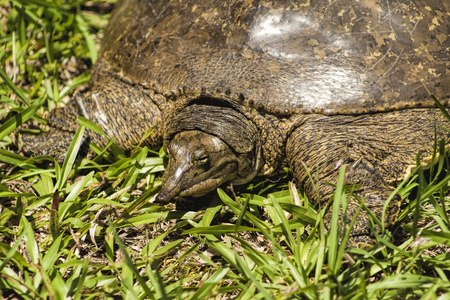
{"x":208,"y":146}
{"x":200,"y":162}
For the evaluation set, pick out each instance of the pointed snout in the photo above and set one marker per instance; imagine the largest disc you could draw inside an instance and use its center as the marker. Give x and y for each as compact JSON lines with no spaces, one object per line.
{"x":164,"y":197}
{"x":172,"y":183}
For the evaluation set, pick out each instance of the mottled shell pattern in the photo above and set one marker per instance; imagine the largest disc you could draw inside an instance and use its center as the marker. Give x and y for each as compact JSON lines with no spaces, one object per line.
{"x":287,"y":57}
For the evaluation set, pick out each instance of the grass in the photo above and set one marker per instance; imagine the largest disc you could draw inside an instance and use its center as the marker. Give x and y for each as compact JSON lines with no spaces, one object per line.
{"x":86,"y":229}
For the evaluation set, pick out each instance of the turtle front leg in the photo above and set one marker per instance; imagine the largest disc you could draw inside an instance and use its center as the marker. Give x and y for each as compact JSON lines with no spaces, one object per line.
{"x":56,"y":141}
{"x":316,"y":168}
{"x":375,"y":149}
{"x":124,"y":111}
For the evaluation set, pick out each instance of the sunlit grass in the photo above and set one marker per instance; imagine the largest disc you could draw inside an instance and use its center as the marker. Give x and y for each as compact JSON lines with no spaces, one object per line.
{"x":87,"y":228}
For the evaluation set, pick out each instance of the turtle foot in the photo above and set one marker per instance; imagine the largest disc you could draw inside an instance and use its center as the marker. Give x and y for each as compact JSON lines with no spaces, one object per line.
{"x":53,"y":143}
{"x":368,"y":219}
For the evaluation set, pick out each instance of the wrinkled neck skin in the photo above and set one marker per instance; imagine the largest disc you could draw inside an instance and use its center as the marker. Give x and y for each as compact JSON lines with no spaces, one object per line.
{"x":199,"y":162}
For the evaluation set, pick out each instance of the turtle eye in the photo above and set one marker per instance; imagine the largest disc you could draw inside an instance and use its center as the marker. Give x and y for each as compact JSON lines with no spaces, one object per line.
{"x":203,"y":160}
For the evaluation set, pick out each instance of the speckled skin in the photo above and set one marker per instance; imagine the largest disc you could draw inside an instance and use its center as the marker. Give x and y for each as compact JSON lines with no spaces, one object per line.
{"x":313,"y":85}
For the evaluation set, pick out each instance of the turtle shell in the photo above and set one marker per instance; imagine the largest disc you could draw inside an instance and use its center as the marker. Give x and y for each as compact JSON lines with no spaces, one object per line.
{"x":286,"y":57}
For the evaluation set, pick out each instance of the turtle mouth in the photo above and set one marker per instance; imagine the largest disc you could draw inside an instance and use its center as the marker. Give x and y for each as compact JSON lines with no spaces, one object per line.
{"x":200,"y":187}
{"x":204,"y":187}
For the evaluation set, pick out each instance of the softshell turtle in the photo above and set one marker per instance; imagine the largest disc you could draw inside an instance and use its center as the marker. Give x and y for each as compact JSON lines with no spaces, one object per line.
{"x":242,"y":88}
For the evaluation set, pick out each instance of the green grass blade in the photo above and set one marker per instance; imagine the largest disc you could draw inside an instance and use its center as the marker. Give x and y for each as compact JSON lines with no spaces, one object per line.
{"x":220,"y":229}
{"x":212,"y":282}
{"x":51,"y":256}
{"x":14,"y":88}
{"x":130,"y":263}
{"x":16,"y":160}
{"x":213,"y":208}
{"x":87,"y":36}
{"x":71,"y":198}
{"x":249,"y":274}
{"x":30,"y":241}
{"x":90,"y":125}
{"x":441,"y":107}
{"x":13,"y":249}
{"x":71,"y":155}
{"x":333,"y":238}
{"x":81,"y":280}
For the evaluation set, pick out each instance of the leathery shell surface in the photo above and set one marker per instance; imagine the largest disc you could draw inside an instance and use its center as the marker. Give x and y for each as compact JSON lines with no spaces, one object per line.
{"x":286,"y":57}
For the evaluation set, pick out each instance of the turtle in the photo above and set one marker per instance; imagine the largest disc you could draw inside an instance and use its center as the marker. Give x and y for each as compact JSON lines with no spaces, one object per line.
{"x":235,"y":89}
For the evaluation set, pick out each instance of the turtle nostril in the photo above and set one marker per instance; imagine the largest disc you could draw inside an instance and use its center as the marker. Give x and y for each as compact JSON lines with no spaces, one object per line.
{"x":161,"y":199}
